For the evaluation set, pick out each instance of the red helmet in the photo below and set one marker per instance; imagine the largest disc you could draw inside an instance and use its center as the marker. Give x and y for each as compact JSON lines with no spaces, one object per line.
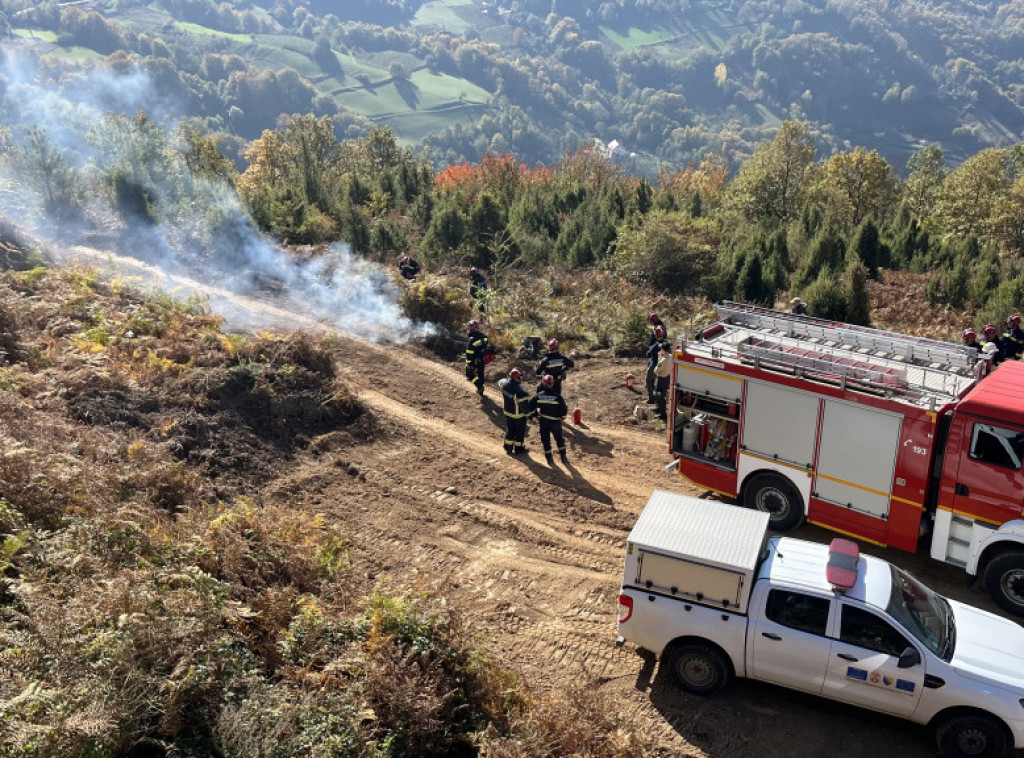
{"x":969,"y":334}
{"x":652,"y":317}
{"x":547,"y":380}
{"x":1014,"y":319}
{"x":659,"y":331}
{"x":989,"y":328}
{"x":553,"y":345}
{"x":473,"y":325}
{"x":515,"y":374}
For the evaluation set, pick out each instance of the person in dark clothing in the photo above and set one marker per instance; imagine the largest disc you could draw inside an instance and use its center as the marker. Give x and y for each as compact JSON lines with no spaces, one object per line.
{"x":654,"y":322}
{"x":478,"y":348}
{"x":663,"y":378}
{"x":477,"y":286}
{"x":1013,"y":337}
{"x":409,"y":267}
{"x":652,"y":362}
{"x":517,"y":411}
{"x":991,"y":338}
{"x":555,"y":364}
{"x":799,"y":306}
{"x":550,"y":407}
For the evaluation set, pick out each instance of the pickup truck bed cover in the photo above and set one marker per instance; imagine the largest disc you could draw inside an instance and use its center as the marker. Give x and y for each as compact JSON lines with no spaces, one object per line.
{"x":696,"y":549}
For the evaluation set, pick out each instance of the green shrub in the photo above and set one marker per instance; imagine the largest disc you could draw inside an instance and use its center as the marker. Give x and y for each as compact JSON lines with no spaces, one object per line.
{"x":825,"y":298}
{"x":436,"y":303}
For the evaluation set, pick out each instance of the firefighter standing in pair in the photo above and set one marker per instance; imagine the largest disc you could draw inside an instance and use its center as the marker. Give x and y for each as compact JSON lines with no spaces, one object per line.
{"x":550,"y":407}
{"x":517,"y":411}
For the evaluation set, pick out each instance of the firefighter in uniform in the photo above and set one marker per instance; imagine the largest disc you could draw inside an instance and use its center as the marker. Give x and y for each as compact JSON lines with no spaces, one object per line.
{"x":409,"y":267}
{"x":653,"y":350}
{"x":477,"y":349}
{"x":517,"y":411}
{"x":1013,"y":337}
{"x":477,"y":286}
{"x":555,"y":364}
{"x":663,"y":378}
{"x":971,"y":338}
{"x":991,"y":338}
{"x":550,"y":407}
{"x":654,"y":322}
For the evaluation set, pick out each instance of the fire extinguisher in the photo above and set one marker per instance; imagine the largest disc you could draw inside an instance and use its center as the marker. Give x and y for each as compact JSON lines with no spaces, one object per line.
{"x":577,"y":416}
{"x":630,"y":381}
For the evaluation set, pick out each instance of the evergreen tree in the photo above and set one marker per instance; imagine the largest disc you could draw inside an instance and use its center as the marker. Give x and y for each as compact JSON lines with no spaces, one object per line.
{"x":866,"y":247}
{"x":858,"y":307}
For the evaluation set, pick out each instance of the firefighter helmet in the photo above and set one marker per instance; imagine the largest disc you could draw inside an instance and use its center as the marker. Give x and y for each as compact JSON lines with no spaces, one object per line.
{"x":547,"y":380}
{"x":473,"y":325}
{"x":1014,"y":319}
{"x":515,"y":374}
{"x":989,"y":329}
{"x":474,"y":270}
{"x":969,"y":334}
{"x":652,"y":317}
{"x":553,"y":345}
{"x":659,"y":332}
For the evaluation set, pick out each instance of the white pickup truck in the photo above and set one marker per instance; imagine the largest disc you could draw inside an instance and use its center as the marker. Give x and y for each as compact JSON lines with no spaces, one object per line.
{"x":709,"y":592}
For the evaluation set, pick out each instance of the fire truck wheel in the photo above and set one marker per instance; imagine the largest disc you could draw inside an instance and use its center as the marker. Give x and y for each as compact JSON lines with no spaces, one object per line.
{"x":777,"y":497}
{"x":1004,"y":580}
{"x":977,"y":735}
{"x":698,"y":667}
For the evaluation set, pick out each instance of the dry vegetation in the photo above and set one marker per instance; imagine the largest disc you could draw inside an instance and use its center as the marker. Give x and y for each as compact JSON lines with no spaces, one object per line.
{"x":152,"y":605}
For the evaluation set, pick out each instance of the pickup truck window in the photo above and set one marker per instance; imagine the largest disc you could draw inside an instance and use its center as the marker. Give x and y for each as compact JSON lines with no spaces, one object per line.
{"x":796,"y":610}
{"x":863,"y":629}
{"x":922,"y":612}
{"x":998,"y":446}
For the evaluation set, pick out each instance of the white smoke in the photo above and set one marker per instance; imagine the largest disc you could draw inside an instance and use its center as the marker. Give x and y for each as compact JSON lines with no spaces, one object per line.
{"x":246,"y":277}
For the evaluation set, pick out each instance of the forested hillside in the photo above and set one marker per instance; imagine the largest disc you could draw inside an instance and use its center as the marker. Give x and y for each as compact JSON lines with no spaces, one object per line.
{"x":663,"y":81}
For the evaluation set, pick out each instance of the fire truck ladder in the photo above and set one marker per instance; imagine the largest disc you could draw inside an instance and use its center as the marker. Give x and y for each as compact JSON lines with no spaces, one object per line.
{"x":917,"y":368}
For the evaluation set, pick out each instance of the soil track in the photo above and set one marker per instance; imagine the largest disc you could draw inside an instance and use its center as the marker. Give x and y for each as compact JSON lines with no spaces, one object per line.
{"x":532,"y":554}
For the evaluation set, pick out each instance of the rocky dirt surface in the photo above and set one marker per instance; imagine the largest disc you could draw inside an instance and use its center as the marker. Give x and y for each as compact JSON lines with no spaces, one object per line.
{"x":533,"y":553}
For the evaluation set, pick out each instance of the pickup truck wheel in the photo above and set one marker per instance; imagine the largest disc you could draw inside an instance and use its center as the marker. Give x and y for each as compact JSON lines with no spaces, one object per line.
{"x":776,"y":496}
{"x":1004,"y":580}
{"x":971,"y":736}
{"x":698,"y":668}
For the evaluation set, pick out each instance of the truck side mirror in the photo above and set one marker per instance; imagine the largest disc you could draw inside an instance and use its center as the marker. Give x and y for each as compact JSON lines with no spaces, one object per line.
{"x":909,"y":657}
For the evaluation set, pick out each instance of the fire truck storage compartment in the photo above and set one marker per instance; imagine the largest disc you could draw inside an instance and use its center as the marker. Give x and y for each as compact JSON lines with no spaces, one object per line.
{"x":696,"y":550}
{"x":857,"y":456}
{"x":707,"y":415}
{"x":780,"y":423}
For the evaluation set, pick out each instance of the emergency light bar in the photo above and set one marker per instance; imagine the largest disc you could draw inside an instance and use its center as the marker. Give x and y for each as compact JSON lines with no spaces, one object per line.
{"x":841,"y":571}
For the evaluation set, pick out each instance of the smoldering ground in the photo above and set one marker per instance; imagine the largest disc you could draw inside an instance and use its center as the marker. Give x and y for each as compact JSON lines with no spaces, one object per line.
{"x":92,"y":169}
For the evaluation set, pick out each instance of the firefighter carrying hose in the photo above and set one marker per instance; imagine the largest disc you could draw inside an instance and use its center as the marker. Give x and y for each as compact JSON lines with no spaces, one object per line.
{"x":555,"y":364}
{"x":550,"y":407}
{"x":478,"y":348}
{"x":517,"y":411}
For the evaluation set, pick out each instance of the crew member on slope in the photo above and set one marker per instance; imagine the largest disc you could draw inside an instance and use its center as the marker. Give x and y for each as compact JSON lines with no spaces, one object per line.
{"x":517,"y":411}
{"x":551,"y":409}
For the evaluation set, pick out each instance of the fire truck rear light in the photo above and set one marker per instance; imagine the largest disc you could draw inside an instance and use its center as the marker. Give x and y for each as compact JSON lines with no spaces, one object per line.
{"x":625,"y":608}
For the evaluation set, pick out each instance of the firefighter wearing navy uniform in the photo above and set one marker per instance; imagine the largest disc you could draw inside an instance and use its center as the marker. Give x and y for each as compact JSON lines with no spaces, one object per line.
{"x":477,"y":286}
{"x":550,"y":407}
{"x":992,"y":344}
{"x":409,"y":267}
{"x":653,"y":351}
{"x":654,"y":321}
{"x":477,"y":349}
{"x":971,"y":338}
{"x":555,"y":364}
{"x":1013,"y":337}
{"x":517,"y":411}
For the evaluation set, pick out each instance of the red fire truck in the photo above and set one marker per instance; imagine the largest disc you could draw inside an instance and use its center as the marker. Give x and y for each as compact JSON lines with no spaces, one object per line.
{"x":894,"y":439}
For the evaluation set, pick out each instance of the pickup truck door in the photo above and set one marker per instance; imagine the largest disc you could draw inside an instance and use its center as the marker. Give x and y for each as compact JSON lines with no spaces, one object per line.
{"x":863,"y":667}
{"x":788,"y":643}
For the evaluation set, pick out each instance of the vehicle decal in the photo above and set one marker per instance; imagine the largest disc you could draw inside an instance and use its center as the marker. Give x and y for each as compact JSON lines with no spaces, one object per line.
{"x":880,"y":680}
{"x":852,"y":672}
{"x":904,"y":686}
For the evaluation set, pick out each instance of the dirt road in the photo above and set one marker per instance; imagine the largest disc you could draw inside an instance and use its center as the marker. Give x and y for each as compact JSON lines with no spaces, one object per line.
{"x":533,"y":554}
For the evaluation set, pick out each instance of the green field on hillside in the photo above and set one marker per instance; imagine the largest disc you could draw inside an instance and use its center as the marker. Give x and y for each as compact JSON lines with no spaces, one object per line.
{"x":439,"y":13}
{"x":634,"y":37}
{"x":40,"y":34}
{"x":190,"y":28}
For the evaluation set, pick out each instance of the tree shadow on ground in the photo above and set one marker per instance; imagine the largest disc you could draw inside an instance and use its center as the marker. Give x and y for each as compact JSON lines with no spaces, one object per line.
{"x":409,"y":92}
